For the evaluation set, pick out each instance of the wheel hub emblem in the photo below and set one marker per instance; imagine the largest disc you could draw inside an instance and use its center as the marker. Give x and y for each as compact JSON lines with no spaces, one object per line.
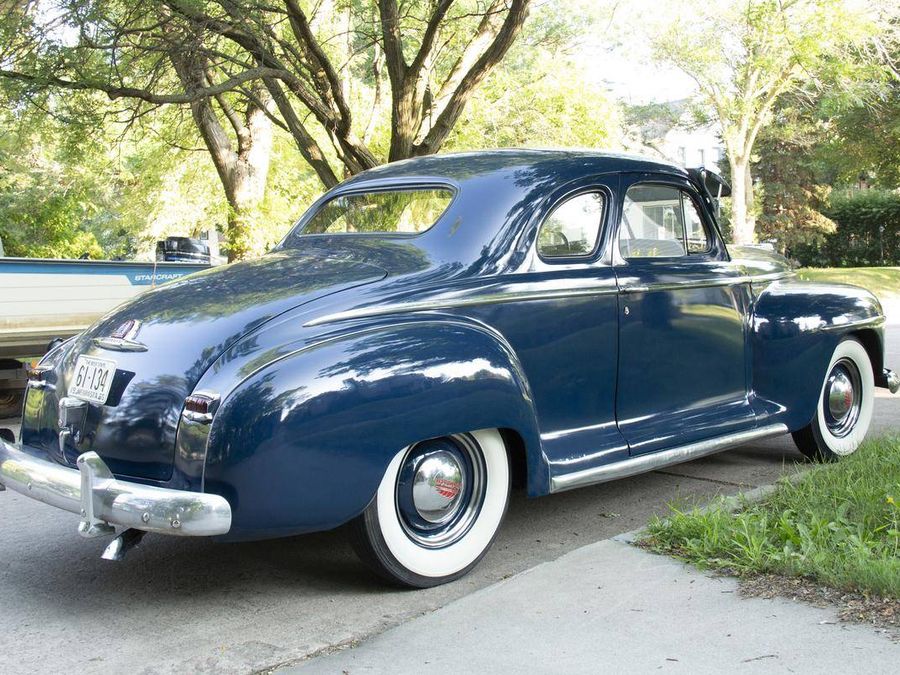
{"x":447,"y":488}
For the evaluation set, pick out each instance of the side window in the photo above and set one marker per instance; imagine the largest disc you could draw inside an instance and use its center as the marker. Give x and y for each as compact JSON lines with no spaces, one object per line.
{"x":572,"y":227}
{"x":652,"y":223}
{"x":659,"y":221}
{"x":697,"y":239}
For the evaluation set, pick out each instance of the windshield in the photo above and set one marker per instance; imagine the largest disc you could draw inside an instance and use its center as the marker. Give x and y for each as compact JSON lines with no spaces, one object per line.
{"x":407,"y":211}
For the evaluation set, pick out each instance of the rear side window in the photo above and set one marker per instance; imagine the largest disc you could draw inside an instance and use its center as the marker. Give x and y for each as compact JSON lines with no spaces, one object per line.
{"x":660,"y":221}
{"x":409,"y":211}
{"x":573,"y":227}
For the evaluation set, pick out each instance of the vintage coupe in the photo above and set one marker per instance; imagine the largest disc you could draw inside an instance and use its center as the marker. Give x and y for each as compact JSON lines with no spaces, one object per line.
{"x":429,"y":333}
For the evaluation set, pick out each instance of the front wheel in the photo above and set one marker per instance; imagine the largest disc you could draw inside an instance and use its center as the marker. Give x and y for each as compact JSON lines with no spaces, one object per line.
{"x":844,"y":408}
{"x":437,"y":509}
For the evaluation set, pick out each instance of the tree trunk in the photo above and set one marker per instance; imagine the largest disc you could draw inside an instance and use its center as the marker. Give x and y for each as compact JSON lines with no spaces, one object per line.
{"x":246,"y":186}
{"x":741,"y":226}
{"x":750,"y":200}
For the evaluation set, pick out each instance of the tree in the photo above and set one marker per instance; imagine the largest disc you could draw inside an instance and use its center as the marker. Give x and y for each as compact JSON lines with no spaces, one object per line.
{"x":835,"y":135}
{"x":744,"y":56}
{"x":243,"y":65}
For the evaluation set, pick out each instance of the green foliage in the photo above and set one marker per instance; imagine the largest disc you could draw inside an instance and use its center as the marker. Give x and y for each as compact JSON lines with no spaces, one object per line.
{"x":862,"y":142}
{"x":54,"y":201}
{"x":541,"y":95}
{"x":792,"y":198}
{"x":745,"y":56}
{"x":867,"y":232}
{"x":838,"y":524}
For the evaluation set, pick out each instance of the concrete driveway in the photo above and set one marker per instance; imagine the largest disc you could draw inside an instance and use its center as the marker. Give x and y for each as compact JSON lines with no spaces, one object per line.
{"x":196,"y":606}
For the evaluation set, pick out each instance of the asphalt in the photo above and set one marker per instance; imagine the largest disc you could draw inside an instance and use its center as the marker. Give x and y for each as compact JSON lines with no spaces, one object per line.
{"x":178,"y":605}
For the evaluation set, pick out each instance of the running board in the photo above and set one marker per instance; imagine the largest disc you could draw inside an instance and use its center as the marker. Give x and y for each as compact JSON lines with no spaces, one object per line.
{"x":661,"y":458}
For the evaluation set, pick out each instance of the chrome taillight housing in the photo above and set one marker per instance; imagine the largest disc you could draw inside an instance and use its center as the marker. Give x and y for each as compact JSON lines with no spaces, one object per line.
{"x":41,"y":376}
{"x":200,"y":407}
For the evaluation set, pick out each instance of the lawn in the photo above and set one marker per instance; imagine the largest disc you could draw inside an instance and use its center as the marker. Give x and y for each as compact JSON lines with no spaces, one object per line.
{"x":837,"y":524}
{"x":884,"y":282}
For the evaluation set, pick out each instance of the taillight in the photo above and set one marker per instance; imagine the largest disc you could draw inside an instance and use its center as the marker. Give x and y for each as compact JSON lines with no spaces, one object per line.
{"x":200,"y":407}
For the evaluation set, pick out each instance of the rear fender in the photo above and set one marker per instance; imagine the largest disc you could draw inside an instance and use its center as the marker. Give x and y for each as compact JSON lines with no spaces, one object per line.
{"x":302,"y":444}
{"x":794,"y":331}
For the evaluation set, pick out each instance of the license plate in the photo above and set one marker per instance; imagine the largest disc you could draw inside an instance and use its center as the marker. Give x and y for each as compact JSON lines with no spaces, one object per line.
{"x":92,"y":379}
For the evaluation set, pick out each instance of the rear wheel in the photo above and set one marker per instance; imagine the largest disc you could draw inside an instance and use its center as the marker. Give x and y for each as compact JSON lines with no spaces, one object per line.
{"x":844,"y":408}
{"x":437,"y":510}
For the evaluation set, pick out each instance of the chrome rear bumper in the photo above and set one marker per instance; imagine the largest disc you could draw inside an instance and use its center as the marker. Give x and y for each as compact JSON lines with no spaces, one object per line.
{"x":104,"y":501}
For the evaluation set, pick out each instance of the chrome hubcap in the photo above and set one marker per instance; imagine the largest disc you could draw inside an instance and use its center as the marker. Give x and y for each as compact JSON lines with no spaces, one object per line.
{"x":440,"y":489}
{"x":842,"y":398}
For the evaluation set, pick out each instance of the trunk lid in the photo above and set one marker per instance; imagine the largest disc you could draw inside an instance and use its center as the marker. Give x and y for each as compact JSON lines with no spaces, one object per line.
{"x":184,"y":326}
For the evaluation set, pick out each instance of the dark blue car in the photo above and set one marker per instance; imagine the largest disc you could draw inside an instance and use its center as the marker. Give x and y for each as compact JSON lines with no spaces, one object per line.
{"x":430,"y":333}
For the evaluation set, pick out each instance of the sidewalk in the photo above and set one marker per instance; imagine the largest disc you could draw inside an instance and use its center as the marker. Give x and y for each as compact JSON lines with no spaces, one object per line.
{"x":610,"y":607}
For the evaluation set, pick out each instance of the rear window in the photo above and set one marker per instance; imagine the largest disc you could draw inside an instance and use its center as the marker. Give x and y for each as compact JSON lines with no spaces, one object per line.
{"x":409,"y":211}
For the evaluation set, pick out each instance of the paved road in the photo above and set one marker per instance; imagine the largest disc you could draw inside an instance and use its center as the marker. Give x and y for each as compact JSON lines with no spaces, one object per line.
{"x":195,"y":606}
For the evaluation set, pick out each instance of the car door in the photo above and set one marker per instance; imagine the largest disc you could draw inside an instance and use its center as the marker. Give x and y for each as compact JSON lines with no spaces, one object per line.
{"x":565,"y":329}
{"x":683,"y":337}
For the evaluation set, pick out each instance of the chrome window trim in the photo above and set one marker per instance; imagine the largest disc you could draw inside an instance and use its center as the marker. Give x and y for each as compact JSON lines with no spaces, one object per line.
{"x":718,"y":250}
{"x":605,"y":218}
{"x":355,"y":191}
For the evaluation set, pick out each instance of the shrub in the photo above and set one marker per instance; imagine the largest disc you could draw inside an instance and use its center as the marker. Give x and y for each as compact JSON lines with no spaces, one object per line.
{"x":867,"y":232}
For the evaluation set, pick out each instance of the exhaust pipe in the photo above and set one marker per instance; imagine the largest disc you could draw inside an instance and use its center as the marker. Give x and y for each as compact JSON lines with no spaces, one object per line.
{"x":121,"y":545}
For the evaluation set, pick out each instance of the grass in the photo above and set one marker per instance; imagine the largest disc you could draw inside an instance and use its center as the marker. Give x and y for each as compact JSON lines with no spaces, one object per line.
{"x":884,"y":282}
{"x":838,"y":525}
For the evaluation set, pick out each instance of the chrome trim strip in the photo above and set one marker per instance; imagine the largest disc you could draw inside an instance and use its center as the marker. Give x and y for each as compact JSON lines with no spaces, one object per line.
{"x":452,"y":303}
{"x":706,"y":283}
{"x":661,"y":458}
{"x":858,"y":323}
{"x":771,"y":276}
{"x":119,"y":344}
{"x":200,"y":418}
{"x":518,"y":296}
{"x":103,"y":500}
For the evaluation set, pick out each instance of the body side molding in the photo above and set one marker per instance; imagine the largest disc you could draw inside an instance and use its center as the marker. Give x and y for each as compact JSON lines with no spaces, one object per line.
{"x":656,"y":460}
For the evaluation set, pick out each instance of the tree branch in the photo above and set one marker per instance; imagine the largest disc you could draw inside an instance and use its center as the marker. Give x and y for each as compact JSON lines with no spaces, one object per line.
{"x":428,"y":38}
{"x":493,"y":54}
{"x":392,"y":43}
{"x":115,"y":92}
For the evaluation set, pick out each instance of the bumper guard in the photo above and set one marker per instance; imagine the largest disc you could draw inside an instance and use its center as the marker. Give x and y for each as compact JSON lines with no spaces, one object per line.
{"x":103,"y":501}
{"x":889,"y":380}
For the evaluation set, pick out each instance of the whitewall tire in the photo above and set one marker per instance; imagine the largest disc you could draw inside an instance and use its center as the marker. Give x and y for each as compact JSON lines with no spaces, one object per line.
{"x":437,"y":510}
{"x":844,"y":408}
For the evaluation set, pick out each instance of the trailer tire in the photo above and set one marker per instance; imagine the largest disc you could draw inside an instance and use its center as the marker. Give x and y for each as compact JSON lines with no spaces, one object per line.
{"x":10,"y":404}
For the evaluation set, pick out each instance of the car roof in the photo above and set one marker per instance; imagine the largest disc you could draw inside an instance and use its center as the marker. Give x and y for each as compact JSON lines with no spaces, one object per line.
{"x":464,"y":166}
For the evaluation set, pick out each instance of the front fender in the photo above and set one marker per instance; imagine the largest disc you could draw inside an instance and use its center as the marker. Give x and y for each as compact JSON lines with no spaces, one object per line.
{"x":794,"y":331}
{"x":302,"y":444}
